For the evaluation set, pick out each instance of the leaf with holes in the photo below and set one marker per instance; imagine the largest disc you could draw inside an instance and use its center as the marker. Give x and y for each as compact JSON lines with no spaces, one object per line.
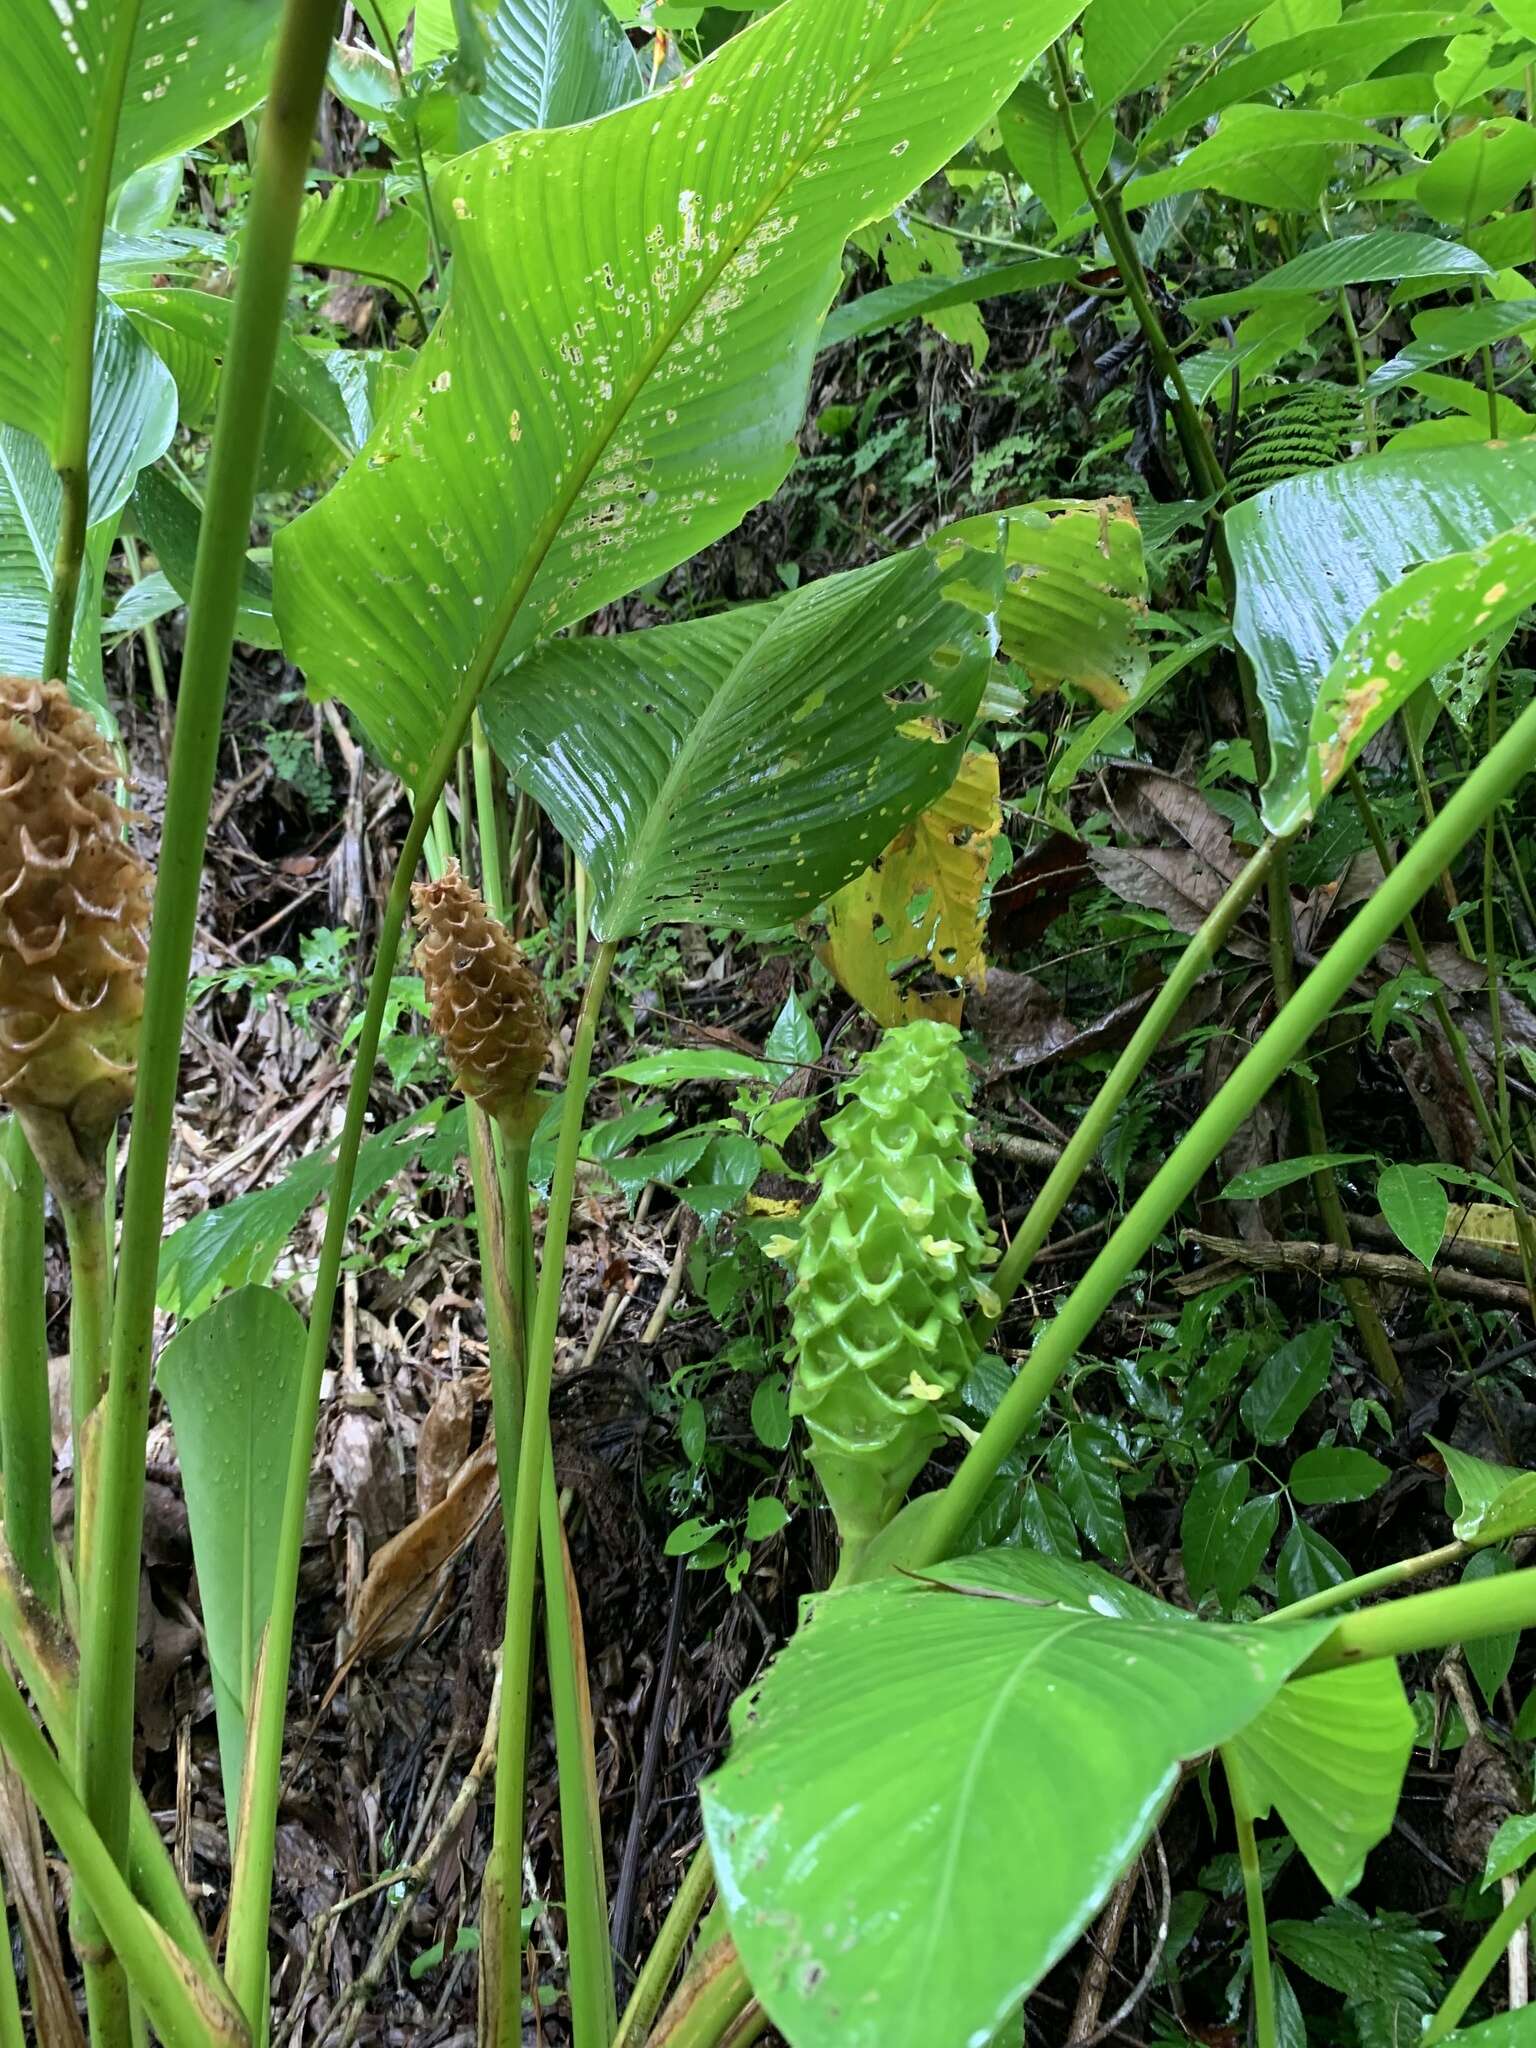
{"x":888,"y":1733}
{"x":1313,"y":553}
{"x":195,"y":66}
{"x":920,"y":904}
{"x":1074,"y":595}
{"x":622,"y":367}
{"x":739,"y":769}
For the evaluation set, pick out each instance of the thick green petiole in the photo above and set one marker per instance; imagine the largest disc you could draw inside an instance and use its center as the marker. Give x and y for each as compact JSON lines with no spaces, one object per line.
{"x":1430,"y":1621}
{"x":26,"y":1424}
{"x":942,"y":1525}
{"x":1265,"y":2032}
{"x":504,"y":1869}
{"x":1482,"y":1962}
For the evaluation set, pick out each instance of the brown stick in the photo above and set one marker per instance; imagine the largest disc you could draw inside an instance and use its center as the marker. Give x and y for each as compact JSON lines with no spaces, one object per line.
{"x":1327,"y":1261}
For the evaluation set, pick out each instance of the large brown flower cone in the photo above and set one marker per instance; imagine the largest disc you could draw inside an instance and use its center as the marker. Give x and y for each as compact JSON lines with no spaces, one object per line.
{"x":74,"y":917}
{"x":487,"y":1003}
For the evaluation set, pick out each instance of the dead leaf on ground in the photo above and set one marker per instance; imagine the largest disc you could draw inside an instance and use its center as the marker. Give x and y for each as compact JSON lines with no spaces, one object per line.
{"x":443,"y":1444}
{"x":1173,"y":879}
{"x":1023,"y":1026}
{"x":407,"y":1573}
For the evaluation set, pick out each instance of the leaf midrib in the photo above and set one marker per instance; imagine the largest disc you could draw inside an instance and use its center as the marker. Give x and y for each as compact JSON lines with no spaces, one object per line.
{"x":500,"y":626}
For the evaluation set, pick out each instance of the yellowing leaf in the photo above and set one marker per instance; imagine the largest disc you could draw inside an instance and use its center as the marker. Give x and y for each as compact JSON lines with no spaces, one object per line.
{"x":920,"y":904}
{"x":1488,"y":1223}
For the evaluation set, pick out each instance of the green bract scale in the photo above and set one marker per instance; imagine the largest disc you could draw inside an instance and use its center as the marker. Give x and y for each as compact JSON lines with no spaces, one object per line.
{"x":886,"y":1271}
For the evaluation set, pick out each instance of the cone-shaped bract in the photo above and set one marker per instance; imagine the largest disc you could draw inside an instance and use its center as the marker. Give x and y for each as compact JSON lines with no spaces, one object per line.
{"x":74,"y":916}
{"x":886,"y":1271}
{"x":487,"y":1003}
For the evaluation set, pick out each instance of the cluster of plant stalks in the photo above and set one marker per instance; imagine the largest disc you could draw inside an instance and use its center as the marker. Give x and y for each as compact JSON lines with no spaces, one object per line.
{"x":92,"y":1006}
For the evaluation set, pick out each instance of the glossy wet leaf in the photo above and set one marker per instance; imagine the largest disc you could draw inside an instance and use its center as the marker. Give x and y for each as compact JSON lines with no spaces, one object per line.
{"x":1288,"y":1382}
{"x":1308,"y":1563}
{"x":1311,"y":555}
{"x":231,"y":1381}
{"x":889,"y":1734}
{"x":1375,"y":257}
{"x":1434,"y":617}
{"x":1446,"y":334}
{"x":132,"y":419}
{"x":1205,"y":1531}
{"x":542,"y":64}
{"x":195,"y":65}
{"x":1385,"y":1964}
{"x":1415,"y":1205}
{"x":1269,"y":1179}
{"x":1336,"y":1473}
{"x":1328,"y":1754}
{"x":1511,"y":1848}
{"x":920,"y":904}
{"x":309,"y":429}
{"x":620,"y":372}
{"x":738,"y":769}
{"x":1492,"y":1501}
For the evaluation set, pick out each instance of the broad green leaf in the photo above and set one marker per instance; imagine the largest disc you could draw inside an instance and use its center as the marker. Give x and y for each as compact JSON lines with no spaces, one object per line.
{"x":309,"y":429}
{"x":740,"y":768}
{"x":1329,"y":1754}
{"x":1345,"y":47}
{"x":889,"y":1732}
{"x":1128,"y":43}
{"x":1311,"y":554}
{"x":1280,"y":157}
{"x":166,"y":518}
{"x":1511,"y":1848}
{"x":1371,"y":258}
{"x":1288,"y":1382}
{"x":1339,"y":1473}
{"x":1489,"y":1657}
{"x":1249,"y":1536}
{"x":894,"y":303}
{"x":231,"y":1380}
{"x":1446,"y":334}
{"x":194,"y":66}
{"x":1036,"y":144}
{"x":1260,"y":1181}
{"x":1495,"y":1501}
{"x":688,"y":1063}
{"x":1515,"y":2029}
{"x":1205,"y":1531}
{"x":1075,"y":603}
{"x":1479,"y":173}
{"x":545,"y":64}
{"x":914,"y":252}
{"x":1080,"y":1463}
{"x":1307,"y":1564}
{"x":1434,"y":616}
{"x":1413,"y":1201}
{"x":620,"y":372}
{"x":372,"y":226}
{"x":133,"y":415}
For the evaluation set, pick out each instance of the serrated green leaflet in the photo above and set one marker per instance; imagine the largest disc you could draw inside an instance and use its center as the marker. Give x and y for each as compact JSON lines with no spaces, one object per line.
{"x":621,"y":370}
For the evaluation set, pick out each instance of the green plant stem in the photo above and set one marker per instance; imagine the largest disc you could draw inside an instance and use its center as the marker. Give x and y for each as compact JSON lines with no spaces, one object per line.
{"x":1265,"y":2032}
{"x":1491,"y":950}
{"x":185,"y":2012}
{"x":1426,"y":798}
{"x":504,"y":1872}
{"x":1429,"y":1621}
{"x":44,"y":1656}
{"x":11,"y":2035}
{"x":1402,"y":1573}
{"x":1455,"y":1037}
{"x":1482,"y":1962}
{"x":708,"y":2003}
{"x":660,"y":1966}
{"x":1372,"y":924}
{"x":110,"y":1616}
{"x":1194,"y":962}
{"x":26,"y":1422}
{"x":71,"y":449}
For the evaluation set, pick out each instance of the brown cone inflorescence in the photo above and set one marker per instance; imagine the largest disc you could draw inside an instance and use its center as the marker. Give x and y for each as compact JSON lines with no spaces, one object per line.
{"x":74,"y":917}
{"x":487,"y":1003}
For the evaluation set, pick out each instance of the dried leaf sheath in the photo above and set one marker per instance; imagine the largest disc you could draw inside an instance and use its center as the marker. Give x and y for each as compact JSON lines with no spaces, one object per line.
{"x":74,"y":918}
{"x":487,"y":1003}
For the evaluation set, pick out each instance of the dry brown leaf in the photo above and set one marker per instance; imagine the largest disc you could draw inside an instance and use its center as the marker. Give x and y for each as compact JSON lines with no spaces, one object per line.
{"x":406,"y":1574}
{"x":444,"y":1442}
{"x":1172,"y":879}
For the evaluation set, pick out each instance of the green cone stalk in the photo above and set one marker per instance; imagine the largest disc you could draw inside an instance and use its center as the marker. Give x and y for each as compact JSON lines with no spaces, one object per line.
{"x":887,"y":1269}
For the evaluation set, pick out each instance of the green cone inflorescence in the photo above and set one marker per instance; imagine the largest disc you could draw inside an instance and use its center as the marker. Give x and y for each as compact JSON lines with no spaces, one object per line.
{"x":887,"y":1269}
